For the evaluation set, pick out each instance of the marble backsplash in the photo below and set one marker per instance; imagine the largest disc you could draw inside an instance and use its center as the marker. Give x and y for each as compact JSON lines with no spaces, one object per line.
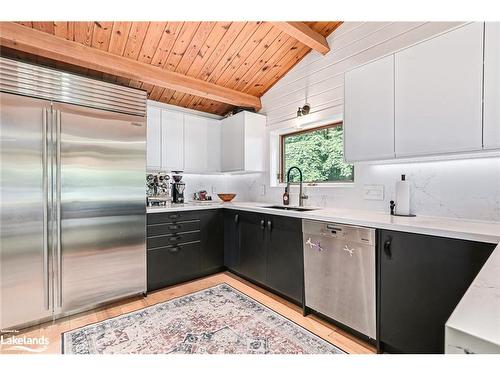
{"x":467,"y":188}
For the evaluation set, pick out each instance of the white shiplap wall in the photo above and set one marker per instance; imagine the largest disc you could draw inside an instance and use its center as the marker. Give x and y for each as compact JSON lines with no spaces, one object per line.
{"x":458,"y":188}
{"x":319,"y":80}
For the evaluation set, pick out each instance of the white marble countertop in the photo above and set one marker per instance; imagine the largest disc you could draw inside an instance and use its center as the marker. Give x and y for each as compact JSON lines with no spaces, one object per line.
{"x":482,"y":231}
{"x":477,"y":315}
{"x":476,"y":319}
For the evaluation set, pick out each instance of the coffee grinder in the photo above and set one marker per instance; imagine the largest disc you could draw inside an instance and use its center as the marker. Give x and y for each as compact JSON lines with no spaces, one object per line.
{"x":177,"y":187}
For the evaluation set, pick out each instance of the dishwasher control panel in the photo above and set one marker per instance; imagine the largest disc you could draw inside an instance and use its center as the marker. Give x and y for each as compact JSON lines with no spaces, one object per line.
{"x":340,"y":231}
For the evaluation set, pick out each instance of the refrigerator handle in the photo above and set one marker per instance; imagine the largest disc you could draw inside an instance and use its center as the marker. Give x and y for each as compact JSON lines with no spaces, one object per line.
{"x":58,"y":207}
{"x":45,"y":182}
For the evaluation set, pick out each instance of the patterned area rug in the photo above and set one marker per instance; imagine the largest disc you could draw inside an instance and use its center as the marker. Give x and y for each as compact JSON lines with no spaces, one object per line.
{"x":216,"y":320}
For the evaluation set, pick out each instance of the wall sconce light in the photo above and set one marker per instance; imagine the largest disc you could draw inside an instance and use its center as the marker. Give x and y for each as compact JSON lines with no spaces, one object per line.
{"x":302,"y":111}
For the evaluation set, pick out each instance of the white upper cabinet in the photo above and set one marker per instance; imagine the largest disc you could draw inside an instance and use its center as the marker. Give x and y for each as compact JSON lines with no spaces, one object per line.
{"x":213,"y":145}
{"x":153,"y":146}
{"x":172,"y":134}
{"x":233,"y":135}
{"x":180,"y":141}
{"x":201,"y":144}
{"x":195,"y":144}
{"x":369,"y":111}
{"x":243,"y":142}
{"x":438,"y":94}
{"x":492,"y":85}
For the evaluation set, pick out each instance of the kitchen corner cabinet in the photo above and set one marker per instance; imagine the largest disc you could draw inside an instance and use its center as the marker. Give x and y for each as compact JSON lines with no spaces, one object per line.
{"x":232,"y":240}
{"x":266,"y":249}
{"x":212,"y":240}
{"x":369,"y":111}
{"x":243,"y":142}
{"x":492,"y":86}
{"x":214,"y":153}
{"x":438,"y":94}
{"x":421,"y":280}
{"x":201,"y":144}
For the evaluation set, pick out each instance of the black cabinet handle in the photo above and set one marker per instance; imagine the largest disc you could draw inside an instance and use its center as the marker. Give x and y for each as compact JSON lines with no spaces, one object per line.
{"x":174,"y":249}
{"x":387,"y":248}
{"x":173,"y":227}
{"x":236,"y":218}
{"x":262,"y":224}
{"x":269,"y":225}
{"x":175,"y":238}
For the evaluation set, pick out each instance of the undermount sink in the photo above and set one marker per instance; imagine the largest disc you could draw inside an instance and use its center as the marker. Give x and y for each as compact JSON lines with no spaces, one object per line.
{"x":300,"y":209}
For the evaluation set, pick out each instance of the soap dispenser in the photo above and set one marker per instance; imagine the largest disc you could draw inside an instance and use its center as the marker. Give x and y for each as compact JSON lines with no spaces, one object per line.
{"x":403,"y":197}
{"x":286,"y":197}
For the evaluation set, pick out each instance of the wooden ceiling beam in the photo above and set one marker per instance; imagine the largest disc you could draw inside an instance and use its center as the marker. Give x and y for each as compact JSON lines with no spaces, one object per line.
{"x":39,"y":43}
{"x":304,"y":34}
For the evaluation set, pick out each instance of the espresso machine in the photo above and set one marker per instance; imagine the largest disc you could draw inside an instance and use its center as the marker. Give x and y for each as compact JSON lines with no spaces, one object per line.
{"x":178,"y":187}
{"x":158,"y":189}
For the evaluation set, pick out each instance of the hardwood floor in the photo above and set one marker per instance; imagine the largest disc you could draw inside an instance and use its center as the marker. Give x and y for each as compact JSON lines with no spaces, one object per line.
{"x":327,"y":331}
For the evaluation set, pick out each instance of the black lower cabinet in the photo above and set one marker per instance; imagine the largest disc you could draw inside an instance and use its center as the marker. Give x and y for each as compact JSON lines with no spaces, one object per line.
{"x":182,"y":246}
{"x":232,"y":240}
{"x":253,"y":246}
{"x":421,"y":280}
{"x":266,"y":249}
{"x":212,"y":240}
{"x":173,"y":264}
{"x":285,"y":256}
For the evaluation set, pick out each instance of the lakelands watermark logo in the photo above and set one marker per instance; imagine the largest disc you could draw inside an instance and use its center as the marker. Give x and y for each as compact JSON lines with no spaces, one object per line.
{"x":10,"y":342}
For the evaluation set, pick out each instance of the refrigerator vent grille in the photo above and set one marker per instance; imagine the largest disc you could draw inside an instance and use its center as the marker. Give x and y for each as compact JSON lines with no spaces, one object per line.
{"x":31,"y":80}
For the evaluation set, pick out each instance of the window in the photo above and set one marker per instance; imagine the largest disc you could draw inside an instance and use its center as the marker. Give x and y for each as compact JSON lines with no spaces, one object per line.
{"x":318,"y":152}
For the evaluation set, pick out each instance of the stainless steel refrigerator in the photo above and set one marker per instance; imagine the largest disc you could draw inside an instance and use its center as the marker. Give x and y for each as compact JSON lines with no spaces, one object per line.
{"x":73,"y":161}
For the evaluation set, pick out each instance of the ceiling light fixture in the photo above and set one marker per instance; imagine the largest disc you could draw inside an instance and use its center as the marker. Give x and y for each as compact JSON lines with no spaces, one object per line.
{"x":302,"y":111}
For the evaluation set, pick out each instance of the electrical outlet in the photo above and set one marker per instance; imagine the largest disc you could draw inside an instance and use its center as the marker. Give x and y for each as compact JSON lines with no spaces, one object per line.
{"x":262,"y":189}
{"x":374,"y":192}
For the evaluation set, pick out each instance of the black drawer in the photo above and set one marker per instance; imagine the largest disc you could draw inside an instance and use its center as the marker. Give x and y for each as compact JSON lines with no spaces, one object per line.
{"x":173,"y":264}
{"x":172,"y":228}
{"x":172,"y":239}
{"x":172,"y":217}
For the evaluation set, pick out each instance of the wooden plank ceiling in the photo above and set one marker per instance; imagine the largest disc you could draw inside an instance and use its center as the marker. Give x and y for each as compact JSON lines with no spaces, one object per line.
{"x":249,"y":57}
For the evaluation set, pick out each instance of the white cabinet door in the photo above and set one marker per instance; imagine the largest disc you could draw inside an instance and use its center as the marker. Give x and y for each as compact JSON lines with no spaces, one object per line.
{"x":195,"y":144}
{"x":153,"y":146}
{"x":233,"y":150}
{"x":492,"y":85}
{"x":213,"y":145}
{"x":369,"y":111}
{"x":172,"y":132}
{"x":254,"y":141}
{"x":438,"y":95}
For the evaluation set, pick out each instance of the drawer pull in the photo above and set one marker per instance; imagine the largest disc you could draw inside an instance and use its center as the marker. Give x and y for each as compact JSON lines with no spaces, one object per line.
{"x":174,"y":249}
{"x":175,"y":238}
{"x":173,"y":227}
{"x":174,"y":216}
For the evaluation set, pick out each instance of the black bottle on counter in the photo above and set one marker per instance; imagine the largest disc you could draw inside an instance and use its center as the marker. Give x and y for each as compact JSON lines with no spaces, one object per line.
{"x":286,"y":197}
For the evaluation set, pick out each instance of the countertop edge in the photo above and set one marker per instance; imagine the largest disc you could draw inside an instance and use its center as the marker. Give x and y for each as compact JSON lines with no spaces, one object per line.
{"x":484,"y":287}
{"x":409,"y":225}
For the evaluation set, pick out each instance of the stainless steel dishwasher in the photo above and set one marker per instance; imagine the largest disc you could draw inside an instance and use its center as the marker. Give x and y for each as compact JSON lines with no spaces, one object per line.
{"x":339,"y":267}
